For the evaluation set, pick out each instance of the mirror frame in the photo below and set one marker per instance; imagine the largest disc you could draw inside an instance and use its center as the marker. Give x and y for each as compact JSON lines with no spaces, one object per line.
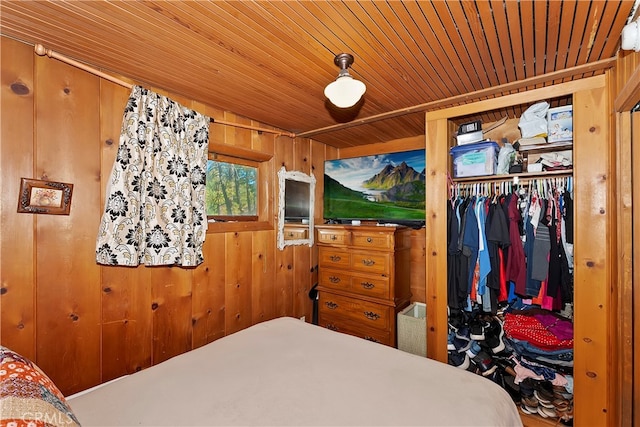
{"x":283,"y":176}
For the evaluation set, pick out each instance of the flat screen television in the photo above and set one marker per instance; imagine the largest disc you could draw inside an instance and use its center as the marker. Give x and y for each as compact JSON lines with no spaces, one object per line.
{"x":387,"y":188}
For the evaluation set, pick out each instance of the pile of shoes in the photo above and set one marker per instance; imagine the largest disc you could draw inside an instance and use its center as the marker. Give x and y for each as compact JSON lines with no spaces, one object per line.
{"x":476,"y":343}
{"x":546,"y":400}
{"x":563,"y":403}
{"x":474,"y":340}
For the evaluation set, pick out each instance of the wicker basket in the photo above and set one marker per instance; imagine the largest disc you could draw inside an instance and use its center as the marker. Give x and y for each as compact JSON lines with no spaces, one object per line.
{"x":412,"y":329}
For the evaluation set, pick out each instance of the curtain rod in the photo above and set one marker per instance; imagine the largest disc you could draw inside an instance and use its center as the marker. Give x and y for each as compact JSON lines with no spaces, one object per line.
{"x":41,"y":51}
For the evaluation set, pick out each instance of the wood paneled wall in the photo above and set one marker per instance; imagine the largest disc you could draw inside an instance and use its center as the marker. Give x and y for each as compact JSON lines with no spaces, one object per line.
{"x":85,"y":324}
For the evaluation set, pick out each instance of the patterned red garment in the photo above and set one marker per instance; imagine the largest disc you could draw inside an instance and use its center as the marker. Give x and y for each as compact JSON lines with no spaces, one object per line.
{"x":28,"y":398}
{"x":530,"y":329}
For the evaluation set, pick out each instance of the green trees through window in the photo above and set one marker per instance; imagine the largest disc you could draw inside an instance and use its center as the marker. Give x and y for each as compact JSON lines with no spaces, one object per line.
{"x":232,"y":191}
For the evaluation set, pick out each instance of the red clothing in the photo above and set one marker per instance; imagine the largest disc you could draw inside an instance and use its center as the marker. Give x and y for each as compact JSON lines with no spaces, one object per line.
{"x":504,"y":293}
{"x":516,"y":264}
{"x":531,"y":329}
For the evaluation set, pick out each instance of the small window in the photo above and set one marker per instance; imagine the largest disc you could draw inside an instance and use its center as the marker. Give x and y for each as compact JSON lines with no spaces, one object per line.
{"x":232,"y":190}
{"x":238,"y":186}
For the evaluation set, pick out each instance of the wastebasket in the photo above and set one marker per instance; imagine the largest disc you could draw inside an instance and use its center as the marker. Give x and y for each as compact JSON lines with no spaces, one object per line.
{"x":412,"y":329}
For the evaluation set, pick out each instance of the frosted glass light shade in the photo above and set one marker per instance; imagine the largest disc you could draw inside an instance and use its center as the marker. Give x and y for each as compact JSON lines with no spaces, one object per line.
{"x":345,"y":92}
{"x":630,"y":37}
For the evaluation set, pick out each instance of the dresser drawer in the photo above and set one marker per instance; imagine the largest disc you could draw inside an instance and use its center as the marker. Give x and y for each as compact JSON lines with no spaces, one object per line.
{"x":335,"y":279}
{"x":371,"y":262}
{"x":364,"y":313}
{"x":334,"y":258}
{"x":357,"y":283}
{"x":351,"y":327}
{"x":376,"y":287}
{"x":371,"y":240}
{"x":334,"y":237}
{"x":295,"y":231}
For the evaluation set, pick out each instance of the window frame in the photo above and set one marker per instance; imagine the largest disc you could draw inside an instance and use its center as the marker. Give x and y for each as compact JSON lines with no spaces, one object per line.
{"x":260,"y":160}
{"x":241,"y":162}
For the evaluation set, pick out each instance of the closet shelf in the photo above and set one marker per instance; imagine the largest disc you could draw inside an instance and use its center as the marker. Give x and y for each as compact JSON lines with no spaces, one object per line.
{"x":520,"y":176}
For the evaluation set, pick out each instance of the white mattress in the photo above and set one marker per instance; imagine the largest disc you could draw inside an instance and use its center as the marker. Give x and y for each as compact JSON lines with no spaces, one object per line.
{"x":287,"y":372}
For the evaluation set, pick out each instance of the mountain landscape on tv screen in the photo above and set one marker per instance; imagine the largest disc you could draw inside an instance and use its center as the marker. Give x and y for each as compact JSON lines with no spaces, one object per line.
{"x":395,"y":192}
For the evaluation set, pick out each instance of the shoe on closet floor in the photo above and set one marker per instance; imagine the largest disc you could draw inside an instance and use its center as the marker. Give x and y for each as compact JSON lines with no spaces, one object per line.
{"x":543,"y":391}
{"x":561,"y":405}
{"x":502,"y":309}
{"x":565,"y":414}
{"x":463,"y":333}
{"x":526,"y":388}
{"x":485,"y":364}
{"x":461,"y":341}
{"x":545,"y":412}
{"x":450,"y":337}
{"x":459,"y":360}
{"x":494,"y":336}
{"x":455,"y":343}
{"x":528,"y":409}
{"x":474,"y":349}
{"x":561,"y":392}
{"x":530,"y":401}
{"x":455,"y":318}
{"x":476,"y":329}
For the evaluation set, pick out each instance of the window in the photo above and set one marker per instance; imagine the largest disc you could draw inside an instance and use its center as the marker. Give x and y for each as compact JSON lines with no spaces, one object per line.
{"x":239,"y":183}
{"x":232,"y":190}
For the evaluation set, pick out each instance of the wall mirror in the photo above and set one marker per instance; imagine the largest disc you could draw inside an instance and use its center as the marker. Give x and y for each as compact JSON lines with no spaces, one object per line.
{"x":295,"y":208}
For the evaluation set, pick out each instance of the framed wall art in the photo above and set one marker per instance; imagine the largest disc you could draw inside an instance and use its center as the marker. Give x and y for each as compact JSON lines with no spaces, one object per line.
{"x":44,"y":197}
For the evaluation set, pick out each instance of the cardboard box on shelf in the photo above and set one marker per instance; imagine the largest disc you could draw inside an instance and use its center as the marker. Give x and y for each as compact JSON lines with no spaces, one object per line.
{"x":560,"y":123}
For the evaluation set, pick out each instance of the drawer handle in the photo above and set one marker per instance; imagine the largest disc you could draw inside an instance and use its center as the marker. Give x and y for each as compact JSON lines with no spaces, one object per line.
{"x":368,"y":338}
{"x":332,"y":327}
{"x":334,"y":279}
{"x":335,"y":258}
{"x":369,"y":239}
{"x":367,"y":285}
{"x":371,"y":315}
{"x":334,"y":237}
{"x":291,"y":234}
{"x":368,"y":262}
{"x":331,"y":305}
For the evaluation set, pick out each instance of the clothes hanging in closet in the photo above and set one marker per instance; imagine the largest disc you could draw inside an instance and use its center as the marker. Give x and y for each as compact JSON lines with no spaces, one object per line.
{"x":510,"y":246}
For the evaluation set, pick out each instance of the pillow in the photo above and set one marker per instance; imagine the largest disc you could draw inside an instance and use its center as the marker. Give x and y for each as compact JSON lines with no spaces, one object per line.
{"x":28,"y":397}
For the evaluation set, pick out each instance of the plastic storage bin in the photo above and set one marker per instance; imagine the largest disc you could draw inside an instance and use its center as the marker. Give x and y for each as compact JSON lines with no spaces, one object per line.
{"x":412,"y":329}
{"x":475,"y":159}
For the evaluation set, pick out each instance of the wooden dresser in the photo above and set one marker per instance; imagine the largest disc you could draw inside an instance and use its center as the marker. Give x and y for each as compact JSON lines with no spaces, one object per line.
{"x":364,"y":279}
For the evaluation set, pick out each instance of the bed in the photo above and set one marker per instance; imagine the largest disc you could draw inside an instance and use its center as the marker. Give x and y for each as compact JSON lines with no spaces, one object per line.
{"x":285,"y":372}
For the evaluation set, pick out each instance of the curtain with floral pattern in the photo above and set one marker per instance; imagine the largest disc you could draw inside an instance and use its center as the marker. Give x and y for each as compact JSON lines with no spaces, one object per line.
{"x":155,"y":204}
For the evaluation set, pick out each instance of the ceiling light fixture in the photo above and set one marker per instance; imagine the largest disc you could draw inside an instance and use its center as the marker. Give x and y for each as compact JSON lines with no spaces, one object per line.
{"x":345,"y":92}
{"x":630,"y":37}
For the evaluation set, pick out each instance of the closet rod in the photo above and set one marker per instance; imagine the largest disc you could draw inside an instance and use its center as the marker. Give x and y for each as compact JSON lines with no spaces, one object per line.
{"x":514,"y":180}
{"x":520,"y":176}
{"x":41,"y":51}
{"x":485,"y":185}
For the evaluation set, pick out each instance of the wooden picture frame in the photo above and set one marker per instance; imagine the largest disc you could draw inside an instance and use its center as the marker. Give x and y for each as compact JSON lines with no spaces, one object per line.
{"x":44,"y":197}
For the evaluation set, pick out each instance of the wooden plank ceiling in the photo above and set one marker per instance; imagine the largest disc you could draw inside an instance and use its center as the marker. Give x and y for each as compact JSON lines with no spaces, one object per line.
{"x":270,"y":60}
